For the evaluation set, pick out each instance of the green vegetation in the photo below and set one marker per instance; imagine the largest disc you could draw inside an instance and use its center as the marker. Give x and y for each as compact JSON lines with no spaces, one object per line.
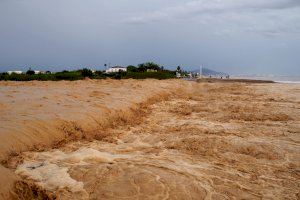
{"x":132,"y":68}
{"x":30,"y":72}
{"x":74,"y":75}
{"x":148,"y":66}
{"x":156,"y":75}
{"x":86,"y":73}
{"x":142,"y":71}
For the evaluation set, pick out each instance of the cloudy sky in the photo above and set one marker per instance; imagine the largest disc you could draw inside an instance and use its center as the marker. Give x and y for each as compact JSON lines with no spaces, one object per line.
{"x":234,"y":36}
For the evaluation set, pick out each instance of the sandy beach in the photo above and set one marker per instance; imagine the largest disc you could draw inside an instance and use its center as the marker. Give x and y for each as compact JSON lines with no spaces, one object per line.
{"x":149,"y":139}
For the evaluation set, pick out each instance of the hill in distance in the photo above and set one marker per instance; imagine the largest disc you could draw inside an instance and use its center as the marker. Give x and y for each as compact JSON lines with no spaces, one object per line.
{"x":209,"y":72}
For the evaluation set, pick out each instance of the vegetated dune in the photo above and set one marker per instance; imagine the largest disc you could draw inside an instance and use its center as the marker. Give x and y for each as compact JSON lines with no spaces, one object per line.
{"x":40,"y":115}
{"x":204,"y":141}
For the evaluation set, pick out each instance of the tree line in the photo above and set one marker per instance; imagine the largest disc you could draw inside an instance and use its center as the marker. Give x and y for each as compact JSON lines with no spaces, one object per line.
{"x":141,"y":71}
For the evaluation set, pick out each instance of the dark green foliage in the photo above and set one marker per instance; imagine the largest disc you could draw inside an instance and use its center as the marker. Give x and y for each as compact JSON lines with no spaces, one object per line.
{"x":148,"y":65}
{"x":142,"y":68}
{"x":71,"y":76}
{"x":132,"y":68}
{"x":86,"y":72}
{"x":30,"y":72}
{"x":99,"y":73}
{"x":26,"y":77}
{"x":155,"y":75}
{"x":143,"y":75}
{"x":132,"y":72}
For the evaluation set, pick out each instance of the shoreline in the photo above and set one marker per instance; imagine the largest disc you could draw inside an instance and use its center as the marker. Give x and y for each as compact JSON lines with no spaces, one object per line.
{"x":219,"y":80}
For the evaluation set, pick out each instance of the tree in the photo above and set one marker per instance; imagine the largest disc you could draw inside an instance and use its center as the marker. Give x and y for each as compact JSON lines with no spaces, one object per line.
{"x":142,"y":67}
{"x":30,"y":72}
{"x":152,"y":65}
{"x":132,"y":68}
{"x":148,"y":65}
{"x":86,"y":72}
{"x":99,"y":73}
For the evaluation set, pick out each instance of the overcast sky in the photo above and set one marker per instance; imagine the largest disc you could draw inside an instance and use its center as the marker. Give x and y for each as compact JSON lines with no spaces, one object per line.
{"x":234,"y":36}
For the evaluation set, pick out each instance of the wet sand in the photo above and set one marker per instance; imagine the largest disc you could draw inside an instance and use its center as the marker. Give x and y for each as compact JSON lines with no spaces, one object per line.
{"x":191,"y":141}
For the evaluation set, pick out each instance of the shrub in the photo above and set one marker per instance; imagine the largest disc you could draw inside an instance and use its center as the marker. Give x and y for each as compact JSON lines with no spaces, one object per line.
{"x":156,"y":75}
{"x":148,"y":65}
{"x":132,"y":68}
{"x":99,"y":75}
{"x":30,"y":72}
{"x":86,"y":72}
{"x":133,"y":72}
{"x":71,"y":76}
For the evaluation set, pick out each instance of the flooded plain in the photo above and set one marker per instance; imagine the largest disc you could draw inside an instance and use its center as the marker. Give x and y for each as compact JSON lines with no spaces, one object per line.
{"x":219,"y":141}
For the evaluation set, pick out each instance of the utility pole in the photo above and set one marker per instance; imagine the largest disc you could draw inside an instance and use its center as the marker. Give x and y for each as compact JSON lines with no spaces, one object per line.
{"x":201,"y":70}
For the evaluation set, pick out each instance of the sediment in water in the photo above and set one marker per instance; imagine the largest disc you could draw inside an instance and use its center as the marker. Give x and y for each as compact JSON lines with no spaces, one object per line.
{"x":216,"y":141}
{"x":37,"y":116}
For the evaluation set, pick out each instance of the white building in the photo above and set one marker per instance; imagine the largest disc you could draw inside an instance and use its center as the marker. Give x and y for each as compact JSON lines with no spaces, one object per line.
{"x":151,"y":70}
{"x":116,"y":69}
{"x":15,"y":72}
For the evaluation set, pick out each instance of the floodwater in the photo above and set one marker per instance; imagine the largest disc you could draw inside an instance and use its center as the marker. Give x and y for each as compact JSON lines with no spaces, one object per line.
{"x":220,"y":141}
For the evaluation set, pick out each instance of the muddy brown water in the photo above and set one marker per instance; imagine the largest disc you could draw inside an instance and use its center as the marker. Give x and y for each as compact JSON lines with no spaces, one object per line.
{"x":233,"y":141}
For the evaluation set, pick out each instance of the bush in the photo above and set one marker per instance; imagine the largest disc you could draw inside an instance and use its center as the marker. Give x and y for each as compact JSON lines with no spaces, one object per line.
{"x":132,"y":68}
{"x":133,"y":72}
{"x":148,"y":65}
{"x":30,"y":72}
{"x":71,"y":76}
{"x":86,"y":72}
{"x":99,"y":75}
{"x":156,"y":75}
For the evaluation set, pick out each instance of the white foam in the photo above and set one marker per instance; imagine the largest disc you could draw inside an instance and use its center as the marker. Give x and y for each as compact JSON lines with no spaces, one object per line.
{"x":81,"y":156}
{"x":47,"y":171}
{"x":49,"y":176}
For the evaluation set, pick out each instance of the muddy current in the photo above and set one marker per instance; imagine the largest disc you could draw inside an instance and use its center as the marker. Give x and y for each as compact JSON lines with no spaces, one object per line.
{"x":232,"y":141}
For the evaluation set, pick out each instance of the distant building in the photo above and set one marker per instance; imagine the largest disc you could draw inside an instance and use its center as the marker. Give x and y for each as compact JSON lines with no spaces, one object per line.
{"x":116,"y":69}
{"x":151,"y":70}
{"x":178,"y":74}
{"x":14,"y":72}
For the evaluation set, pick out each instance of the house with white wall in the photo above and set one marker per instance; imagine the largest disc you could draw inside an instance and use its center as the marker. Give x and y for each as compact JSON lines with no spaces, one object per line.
{"x":14,"y":72}
{"x":116,"y":69}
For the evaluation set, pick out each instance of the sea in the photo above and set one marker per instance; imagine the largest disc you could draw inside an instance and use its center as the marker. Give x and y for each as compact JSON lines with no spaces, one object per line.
{"x":278,"y":79}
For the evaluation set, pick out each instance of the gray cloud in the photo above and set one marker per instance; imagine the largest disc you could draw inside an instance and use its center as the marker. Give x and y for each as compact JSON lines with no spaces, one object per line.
{"x":235,"y":36}
{"x":248,"y":15}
